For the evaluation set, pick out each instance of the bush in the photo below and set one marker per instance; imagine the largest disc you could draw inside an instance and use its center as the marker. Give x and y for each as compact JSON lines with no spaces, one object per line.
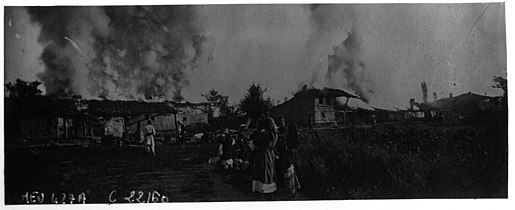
{"x":429,"y":162}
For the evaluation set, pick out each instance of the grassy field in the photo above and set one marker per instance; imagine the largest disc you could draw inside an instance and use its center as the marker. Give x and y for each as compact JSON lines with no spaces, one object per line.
{"x":413,"y":161}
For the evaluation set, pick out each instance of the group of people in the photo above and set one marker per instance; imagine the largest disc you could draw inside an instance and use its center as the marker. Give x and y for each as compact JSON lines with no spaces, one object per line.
{"x":268,"y":152}
{"x":148,"y":137}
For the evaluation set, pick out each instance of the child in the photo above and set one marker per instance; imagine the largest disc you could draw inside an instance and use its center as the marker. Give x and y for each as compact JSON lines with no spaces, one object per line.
{"x":291,"y":181}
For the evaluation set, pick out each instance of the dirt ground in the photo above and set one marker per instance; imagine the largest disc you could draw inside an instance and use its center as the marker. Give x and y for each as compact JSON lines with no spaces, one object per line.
{"x":109,"y":174}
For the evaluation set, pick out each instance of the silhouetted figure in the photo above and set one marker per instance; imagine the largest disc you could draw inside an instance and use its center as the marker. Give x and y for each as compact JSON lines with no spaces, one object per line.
{"x":226,"y":149}
{"x":181,"y":135}
{"x":149,"y":131}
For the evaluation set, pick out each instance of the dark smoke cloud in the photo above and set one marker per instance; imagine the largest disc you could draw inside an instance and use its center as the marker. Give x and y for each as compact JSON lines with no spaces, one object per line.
{"x":66,"y":34}
{"x":282,"y":47}
{"x":118,"y":52}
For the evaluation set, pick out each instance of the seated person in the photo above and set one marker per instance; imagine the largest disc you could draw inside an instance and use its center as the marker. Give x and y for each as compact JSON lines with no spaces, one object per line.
{"x":225,"y":150}
{"x":241,"y":154}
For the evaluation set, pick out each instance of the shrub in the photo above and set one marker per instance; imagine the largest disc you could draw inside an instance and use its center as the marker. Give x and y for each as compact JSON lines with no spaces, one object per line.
{"x":429,"y":162}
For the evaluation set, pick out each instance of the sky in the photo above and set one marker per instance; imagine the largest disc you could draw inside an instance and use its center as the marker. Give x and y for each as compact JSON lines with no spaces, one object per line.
{"x":381,"y":52}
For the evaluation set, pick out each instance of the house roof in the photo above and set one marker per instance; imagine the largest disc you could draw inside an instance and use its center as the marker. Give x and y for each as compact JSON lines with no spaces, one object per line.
{"x":127,"y":108}
{"x":43,"y":105}
{"x":313,"y":92}
{"x":462,"y":102}
{"x":40,"y":105}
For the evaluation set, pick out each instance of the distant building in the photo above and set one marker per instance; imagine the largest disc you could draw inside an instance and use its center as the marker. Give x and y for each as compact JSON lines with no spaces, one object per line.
{"x":464,"y":106}
{"x":458,"y":108}
{"x":465,"y":103}
{"x":311,"y":107}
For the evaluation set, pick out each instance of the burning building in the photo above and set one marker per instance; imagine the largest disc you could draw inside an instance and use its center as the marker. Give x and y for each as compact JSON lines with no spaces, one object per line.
{"x":60,"y":120}
{"x":311,"y":107}
{"x":125,"y":118}
{"x":42,"y":120}
{"x":166,"y":122}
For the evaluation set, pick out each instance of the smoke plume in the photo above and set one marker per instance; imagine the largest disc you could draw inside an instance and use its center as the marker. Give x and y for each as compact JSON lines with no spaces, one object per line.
{"x":347,"y":64}
{"x":174,"y":51}
{"x":118,"y":52}
{"x":423,"y":85}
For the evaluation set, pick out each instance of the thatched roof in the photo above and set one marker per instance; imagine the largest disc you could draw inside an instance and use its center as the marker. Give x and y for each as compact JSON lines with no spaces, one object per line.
{"x":127,"y":108}
{"x":326,"y":92}
{"x":42,"y":105}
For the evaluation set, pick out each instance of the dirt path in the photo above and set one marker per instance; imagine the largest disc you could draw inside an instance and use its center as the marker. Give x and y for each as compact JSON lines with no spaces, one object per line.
{"x":109,"y":174}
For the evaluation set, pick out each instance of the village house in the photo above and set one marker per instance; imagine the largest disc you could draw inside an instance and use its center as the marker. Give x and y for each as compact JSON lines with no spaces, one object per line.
{"x":192,"y":113}
{"x":166,"y":122}
{"x":42,"y":119}
{"x":126,"y":119}
{"x":464,"y":107}
{"x":311,"y":107}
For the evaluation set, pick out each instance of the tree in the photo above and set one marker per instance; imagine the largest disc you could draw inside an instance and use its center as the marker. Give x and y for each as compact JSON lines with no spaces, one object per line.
{"x":254,"y":103}
{"x":221,"y":102}
{"x":23,"y":89}
{"x":502,"y":83}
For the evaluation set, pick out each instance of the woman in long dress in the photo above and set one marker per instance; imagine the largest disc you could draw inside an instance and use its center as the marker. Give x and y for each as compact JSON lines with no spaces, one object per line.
{"x":263,"y":171}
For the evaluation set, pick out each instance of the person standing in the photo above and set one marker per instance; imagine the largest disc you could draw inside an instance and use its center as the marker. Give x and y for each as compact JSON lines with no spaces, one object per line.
{"x":292,"y":141}
{"x":263,"y":170}
{"x":290,"y":158}
{"x":149,"y":132}
{"x":181,"y":132}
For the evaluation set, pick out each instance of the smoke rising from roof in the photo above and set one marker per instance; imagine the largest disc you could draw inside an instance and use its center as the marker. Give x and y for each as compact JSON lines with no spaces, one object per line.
{"x":139,"y":52}
{"x":64,"y":30}
{"x":423,"y":85}
{"x":118,"y":52}
{"x":346,"y":64}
